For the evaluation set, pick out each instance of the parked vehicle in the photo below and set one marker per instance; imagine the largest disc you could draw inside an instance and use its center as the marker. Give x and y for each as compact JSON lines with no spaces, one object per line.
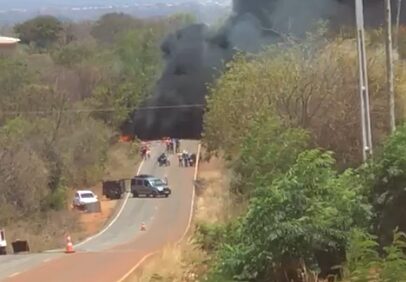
{"x":83,"y":197}
{"x":113,"y":189}
{"x":3,"y":242}
{"x":149,"y":186}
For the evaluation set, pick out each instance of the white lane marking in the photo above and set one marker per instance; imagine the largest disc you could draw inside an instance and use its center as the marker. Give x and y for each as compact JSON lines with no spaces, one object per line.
{"x":115,"y":218}
{"x":184,"y":234}
{"x":14,"y":274}
{"x":136,"y":266}
{"x":197,"y":161}
{"x":192,"y":205}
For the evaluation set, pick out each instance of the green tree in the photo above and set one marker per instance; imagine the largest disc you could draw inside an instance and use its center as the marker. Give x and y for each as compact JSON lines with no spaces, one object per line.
{"x":110,"y":26}
{"x":42,"y":31}
{"x":268,"y":150}
{"x":387,"y":175}
{"x":309,"y":209}
{"x":71,"y":55}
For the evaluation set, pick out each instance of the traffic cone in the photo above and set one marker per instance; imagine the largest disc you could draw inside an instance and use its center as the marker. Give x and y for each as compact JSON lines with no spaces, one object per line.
{"x":69,"y":246}
{"x":143,"y":227}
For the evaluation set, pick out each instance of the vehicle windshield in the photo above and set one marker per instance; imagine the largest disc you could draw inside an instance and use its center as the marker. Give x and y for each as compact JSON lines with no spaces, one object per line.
{"x":157,"y":182}
{"x":87,"y":195}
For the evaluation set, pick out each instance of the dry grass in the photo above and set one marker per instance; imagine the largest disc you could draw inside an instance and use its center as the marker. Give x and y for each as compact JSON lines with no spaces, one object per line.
{"x":176,"y":263}
{"x":43,"y":233}
{"x":122,"y":162}
{"x":187,"y":262}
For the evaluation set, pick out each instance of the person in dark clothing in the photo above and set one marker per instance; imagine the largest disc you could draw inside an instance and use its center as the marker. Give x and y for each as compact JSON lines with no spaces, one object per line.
{"x":163,"y":160}
{"x":177,"y":142}
{"x":180,"y":158}
{"x":185,"y":157}
{"x":143,"y":152}
{"x":192,"y":159}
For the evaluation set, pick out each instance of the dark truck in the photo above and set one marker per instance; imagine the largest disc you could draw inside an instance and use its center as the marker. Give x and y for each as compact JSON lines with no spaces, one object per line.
{"x":114,"y":189}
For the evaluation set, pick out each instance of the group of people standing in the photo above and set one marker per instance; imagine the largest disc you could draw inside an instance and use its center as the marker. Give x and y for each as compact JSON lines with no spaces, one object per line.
{"x":186,"y":159}
{"x":172,"y":147}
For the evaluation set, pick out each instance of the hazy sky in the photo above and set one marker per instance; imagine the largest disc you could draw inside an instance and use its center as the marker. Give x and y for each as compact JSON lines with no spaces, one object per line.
{"x":29,"y":4}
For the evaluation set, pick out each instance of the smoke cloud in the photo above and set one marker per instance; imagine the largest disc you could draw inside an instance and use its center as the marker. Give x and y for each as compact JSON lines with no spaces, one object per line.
{"x":195,"y":55}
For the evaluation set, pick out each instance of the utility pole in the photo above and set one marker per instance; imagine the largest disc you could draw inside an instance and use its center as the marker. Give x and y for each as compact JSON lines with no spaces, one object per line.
{"x":363,"y":82}
{"x":389,"y":65}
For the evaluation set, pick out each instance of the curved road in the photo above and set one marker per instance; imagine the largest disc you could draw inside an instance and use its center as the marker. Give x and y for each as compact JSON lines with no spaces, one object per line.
{"x":110,"y":255}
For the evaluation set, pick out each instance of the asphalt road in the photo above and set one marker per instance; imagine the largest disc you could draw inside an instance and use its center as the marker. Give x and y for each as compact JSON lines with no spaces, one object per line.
{"x":110,"y":255}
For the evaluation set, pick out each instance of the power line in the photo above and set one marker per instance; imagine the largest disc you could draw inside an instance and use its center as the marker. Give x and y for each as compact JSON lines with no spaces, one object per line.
{"x":102,"y":110}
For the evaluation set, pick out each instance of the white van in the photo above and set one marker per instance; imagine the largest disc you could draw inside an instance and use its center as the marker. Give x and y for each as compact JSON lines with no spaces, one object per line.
{"x":3,"y":242}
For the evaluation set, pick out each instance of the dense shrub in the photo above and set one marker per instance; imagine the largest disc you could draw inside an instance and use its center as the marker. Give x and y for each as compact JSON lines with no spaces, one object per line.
{"x":387,"y":176}
{"x":364,"y":263}
{"x":269,"y":149}
{"x":309,"y":209}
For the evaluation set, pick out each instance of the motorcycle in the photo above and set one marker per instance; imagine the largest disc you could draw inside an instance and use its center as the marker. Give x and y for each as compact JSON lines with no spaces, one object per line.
{"x":163,"y":160}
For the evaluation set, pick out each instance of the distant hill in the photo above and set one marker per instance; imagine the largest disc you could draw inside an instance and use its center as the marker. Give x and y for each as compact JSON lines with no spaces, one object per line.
{"x":38,"y":4}
{"x":15,"y":11}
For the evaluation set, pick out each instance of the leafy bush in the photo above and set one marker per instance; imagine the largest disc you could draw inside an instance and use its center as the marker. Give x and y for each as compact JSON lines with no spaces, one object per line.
{"x":365,"y":264}
{"x":268,"y":150}
{"x":387,"y":175}
{"x":311,"y":208}
{"x":210,"y":236}
{"x":56,"y":200}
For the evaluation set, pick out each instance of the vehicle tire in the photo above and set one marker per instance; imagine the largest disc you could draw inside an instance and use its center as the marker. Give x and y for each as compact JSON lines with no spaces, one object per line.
{"x":135,"y":195}
{"x":166,"y":195}
{"x":3,"y":251}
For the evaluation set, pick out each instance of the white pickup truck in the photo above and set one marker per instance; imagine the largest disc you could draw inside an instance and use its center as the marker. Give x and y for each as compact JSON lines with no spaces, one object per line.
{"x":3,"y":242}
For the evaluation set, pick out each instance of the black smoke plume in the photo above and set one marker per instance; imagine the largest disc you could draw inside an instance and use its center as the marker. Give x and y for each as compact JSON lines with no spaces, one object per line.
{"x":195,"y":55}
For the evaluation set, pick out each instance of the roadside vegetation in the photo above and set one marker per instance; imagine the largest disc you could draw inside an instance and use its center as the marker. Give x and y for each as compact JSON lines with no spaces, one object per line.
{"x":303,"y":206}
{"x":49,"y":145}
{"x":294,"y":150}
